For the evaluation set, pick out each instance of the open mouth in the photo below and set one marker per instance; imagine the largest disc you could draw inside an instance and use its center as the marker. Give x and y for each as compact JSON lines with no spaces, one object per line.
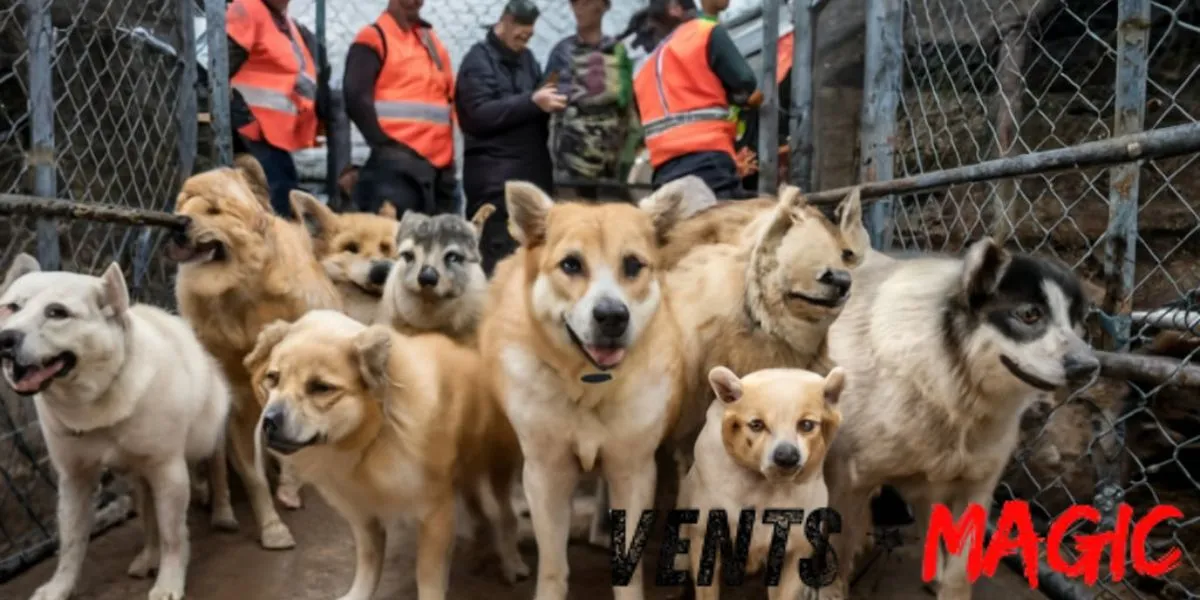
{"x":28,"y":380}
{"x":287,"y":447}
{"x":833,"y":302}
{"x":1017,"y":372}
{"x":603,"y":357}
{"x":188,"y":252}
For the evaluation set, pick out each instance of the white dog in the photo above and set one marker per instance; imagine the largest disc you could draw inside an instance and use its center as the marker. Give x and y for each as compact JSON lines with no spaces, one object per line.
{"x":121,"y":387}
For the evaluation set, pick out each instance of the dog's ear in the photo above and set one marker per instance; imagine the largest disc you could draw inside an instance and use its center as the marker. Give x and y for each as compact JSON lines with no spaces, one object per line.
{"x":676,"y":201}
{"x":984,"y":266}
{"x":409,"y":222}
{"x":23,"y":264}
{"x":115,"y":296}
{"x":789,"y":210}
{"x":268,"y":338}
{"x":850,"y":222}
{"x":252,"y":173}
{"x":726,"y":384}
{"x":528,"y":206}
{"x":480,"y":217}
{"x":388,"y":210}
{"x":318,"y":220}
{"x":835,"y":382}
{"x":374,"y":347}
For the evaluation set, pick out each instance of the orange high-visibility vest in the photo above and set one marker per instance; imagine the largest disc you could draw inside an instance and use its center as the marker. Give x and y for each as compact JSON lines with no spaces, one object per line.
{"x":414,"y":95}
{"x":278,"y":80}
{"x":681,"y":101}
{"x":783,"y":58}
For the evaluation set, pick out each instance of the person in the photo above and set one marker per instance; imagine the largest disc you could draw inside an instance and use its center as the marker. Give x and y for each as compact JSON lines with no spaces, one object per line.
{"x":684,"y":93}
{"x":504,"y":111}
{"x":595,"y":73}
{"x":399,"y":91}
{"x":280,"y":96}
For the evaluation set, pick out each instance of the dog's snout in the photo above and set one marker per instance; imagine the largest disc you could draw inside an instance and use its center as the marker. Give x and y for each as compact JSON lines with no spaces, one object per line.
{"x":838,"y":278}
{"x":1080,"y":366}
{"x":786,"y":456}
{"x":10,"y":340}
{"x":427,"y":276}
{"x":180,"y":237}
{"x":273,"y":420}
{"x":379,"y":272}
{"x":611,"y":316}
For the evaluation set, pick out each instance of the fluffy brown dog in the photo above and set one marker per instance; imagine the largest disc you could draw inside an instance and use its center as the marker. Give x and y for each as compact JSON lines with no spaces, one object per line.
{"x":389,"y":426}
{"x":241,"y":267}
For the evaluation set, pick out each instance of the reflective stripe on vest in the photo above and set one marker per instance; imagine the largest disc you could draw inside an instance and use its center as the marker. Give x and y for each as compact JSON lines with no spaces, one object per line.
{"x":413,"y":111}
{"x":659,"y":126}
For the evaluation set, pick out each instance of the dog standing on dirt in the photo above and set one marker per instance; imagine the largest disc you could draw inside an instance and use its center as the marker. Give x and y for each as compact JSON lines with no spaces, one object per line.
{"x":389,"y":426}
{"x":438,"y":283}
{"x":581,"y":342}
{"x":763,"y":447}
{"x":942,"y":356}
{"x":356,"y":250}
{"x":242,"y":267}
{"x":116,"y":386}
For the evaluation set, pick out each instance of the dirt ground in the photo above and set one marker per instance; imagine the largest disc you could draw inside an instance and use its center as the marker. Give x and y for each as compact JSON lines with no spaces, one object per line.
{"x":228,"y":566}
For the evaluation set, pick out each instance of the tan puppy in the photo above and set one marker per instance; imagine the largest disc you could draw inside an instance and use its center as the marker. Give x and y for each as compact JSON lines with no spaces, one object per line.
{"x":242,"y":267}
{"x":583,"y":349}
{"x":763,"y":447}
{"x":388,"y":426}
{"x":722,"y":223}
{"x":356,"y":250}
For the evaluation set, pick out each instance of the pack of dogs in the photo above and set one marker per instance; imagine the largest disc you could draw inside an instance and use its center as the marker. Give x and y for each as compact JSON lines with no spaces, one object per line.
{"x":781,"y":361}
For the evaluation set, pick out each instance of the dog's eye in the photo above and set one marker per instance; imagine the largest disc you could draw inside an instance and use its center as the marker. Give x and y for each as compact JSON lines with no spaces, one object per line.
{"x":57,"y":312}
{"x":408,"y":256}
{"x":757,"y":425}
{"x":317,"y":387}
{"x":807,"y":426}
{"x":1028,"y":314}
{"x":386,"y":249}
{"x":633,"y":266}
{"x":350,"y":247}
{"x":213,"y":211}
{"x":847,"y":255}
{"x":570,"y":265}
{"x":453,"y":258}
{"x":271,"y":379}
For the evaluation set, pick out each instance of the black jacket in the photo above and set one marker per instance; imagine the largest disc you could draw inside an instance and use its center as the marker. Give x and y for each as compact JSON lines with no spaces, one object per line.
{"x":505,"y":134}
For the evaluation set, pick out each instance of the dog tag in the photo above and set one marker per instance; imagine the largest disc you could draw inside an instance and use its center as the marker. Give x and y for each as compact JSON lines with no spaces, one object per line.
{"x":596,"y":377}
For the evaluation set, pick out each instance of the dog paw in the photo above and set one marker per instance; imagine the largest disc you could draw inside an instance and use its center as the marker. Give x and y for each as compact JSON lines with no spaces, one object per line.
{"x":143,"y":564}
{"x":289,"y":497}
{"x":223,"y":519}
{"x":515,"y":569}
{"x":166,"y":592}
{"x":833,"y":592}
{"x":277,"y":536}
{"x":52,"y":591}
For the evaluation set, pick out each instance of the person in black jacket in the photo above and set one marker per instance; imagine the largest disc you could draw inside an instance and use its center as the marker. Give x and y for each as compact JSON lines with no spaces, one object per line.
{"x":503,"y":110}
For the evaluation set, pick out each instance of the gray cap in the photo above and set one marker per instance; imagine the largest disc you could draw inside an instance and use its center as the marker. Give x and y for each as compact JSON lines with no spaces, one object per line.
{"x":524,"y":12}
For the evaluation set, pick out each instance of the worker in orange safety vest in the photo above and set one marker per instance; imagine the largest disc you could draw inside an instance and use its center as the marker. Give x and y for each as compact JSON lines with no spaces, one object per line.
{"x":685,"y":91}
{"x":399,"y":91}
{"x":280,"y":95}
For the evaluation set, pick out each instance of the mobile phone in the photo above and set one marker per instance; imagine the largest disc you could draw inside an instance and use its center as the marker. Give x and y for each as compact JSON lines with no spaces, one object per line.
{"x":551,"y":79}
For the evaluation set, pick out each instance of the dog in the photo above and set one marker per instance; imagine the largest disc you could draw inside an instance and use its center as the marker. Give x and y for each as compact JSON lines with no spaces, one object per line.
{"x":356,"y":250}
{"x":942,"y":356}
{"x":437,"y":283}
{"x":385,"y":426}
{"x":765,"y":303}
{"x":116,"y":386}
{"x":763,"y":446}
{"x":723,"y":223}
{"x":242,"y":267}
{"x":582,"y":346}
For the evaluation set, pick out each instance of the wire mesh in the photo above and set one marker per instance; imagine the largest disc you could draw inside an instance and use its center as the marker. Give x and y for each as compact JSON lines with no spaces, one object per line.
{"x":984,"y":79}
{"x":115,"y":83}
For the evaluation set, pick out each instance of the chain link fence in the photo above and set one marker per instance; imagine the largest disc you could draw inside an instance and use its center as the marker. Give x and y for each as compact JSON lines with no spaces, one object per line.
{"x":96,"y":105}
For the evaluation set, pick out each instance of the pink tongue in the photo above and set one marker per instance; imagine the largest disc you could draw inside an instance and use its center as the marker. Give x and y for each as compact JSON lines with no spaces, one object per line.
{"x":34,"y":379}
{"x":606,"y":357}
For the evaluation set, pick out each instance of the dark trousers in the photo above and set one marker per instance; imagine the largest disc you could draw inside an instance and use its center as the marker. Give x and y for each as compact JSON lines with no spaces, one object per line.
{"x":281,"y":174}
{"x":405,"y":180}
{"x":717,"y":169}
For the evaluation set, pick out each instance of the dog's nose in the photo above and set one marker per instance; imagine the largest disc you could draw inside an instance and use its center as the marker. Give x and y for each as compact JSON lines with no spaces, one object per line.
{"x":838,"y":278}
{"x":10,"y":340}
{"x":379,"y":272}
{"x":786,"y":456}
{"x":180,"y":237}
{"x":1080,"y":366}
{"x":427,"y":276}
{"x":272,"y":420}
{"x":611,"y":316}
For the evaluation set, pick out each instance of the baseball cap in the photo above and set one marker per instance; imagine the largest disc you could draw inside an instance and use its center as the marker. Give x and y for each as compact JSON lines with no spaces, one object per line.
{"x":524,"y":12}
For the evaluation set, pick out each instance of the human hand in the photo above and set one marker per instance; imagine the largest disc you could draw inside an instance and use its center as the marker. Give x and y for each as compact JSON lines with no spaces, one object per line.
{"x":549,"y":100}
{"x":747,"y":162}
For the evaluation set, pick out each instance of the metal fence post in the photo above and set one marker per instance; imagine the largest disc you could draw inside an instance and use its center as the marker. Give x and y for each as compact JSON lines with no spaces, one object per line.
{"x":800,"y":147}
{"x":768,"y":112}
{"x":41,"y":157}
{"x":881,"y":97}
{"x":218,"y":81}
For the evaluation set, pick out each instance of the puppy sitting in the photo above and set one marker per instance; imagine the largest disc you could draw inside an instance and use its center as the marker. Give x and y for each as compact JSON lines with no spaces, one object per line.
{"x":763,"y":447}
{"x":356,"y":250}
{"x":438,"y":283}
{"x":387,"y":426}
{"x":119,"y":387}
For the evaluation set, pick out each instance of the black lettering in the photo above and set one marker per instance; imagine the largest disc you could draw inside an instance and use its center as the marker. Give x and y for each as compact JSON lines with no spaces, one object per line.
{"x":733,"y":558}
{"x":783,"y":519}
{"x":673,"y":546}
{"x":623,"y":562}
{"x":820,"y":570}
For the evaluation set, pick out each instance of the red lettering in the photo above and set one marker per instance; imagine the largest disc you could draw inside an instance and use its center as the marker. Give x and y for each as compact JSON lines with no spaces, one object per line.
{"x":1014,"y":516}
{"x":1120,"y":544}
{"x":1090,"y":548}
{"x":943,"y":528}
{"x":1142,"y":563}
